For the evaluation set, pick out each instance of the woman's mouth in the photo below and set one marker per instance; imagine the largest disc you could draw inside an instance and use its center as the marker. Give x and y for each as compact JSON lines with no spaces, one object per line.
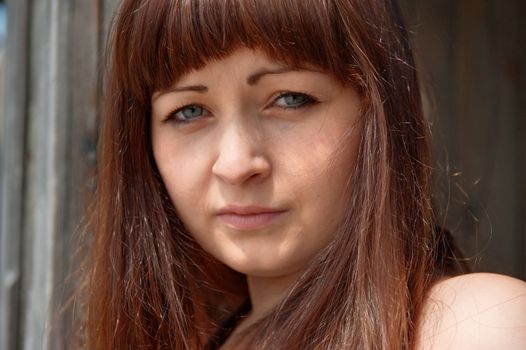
{"x":249,"y":218}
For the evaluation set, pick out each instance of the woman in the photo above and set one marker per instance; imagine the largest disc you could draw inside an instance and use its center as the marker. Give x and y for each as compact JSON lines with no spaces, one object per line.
{"x":266,"y":163}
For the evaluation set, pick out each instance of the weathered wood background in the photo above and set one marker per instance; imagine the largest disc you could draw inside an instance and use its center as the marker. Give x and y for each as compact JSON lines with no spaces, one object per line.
{"x":473,"y":62}
{"x":48,"y":156}
{"x":472,"y":54}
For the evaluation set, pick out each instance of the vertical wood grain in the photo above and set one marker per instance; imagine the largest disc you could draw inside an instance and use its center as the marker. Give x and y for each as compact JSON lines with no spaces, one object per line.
{"x":48,"y":159}
{"x":13,"y":172}
{"x":472,"y":61}
{"x":81,"y":68}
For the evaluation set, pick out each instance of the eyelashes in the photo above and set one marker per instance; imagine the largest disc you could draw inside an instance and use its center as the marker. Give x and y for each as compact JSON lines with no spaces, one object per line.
{"x":188,"y":113}
{"x":288,"y":101}
{"x":293,"y":100}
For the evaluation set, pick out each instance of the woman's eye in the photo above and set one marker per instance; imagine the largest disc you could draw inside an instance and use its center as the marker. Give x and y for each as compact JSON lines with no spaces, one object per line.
{"x":188,"y":113}
{"x":293,"y":100}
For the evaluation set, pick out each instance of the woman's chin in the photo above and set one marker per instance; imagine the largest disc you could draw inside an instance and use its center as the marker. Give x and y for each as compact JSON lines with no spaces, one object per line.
{"x":258,"y":264}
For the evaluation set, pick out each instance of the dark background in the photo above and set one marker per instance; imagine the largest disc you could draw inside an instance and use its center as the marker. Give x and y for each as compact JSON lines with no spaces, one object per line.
{"x":472,"y":59}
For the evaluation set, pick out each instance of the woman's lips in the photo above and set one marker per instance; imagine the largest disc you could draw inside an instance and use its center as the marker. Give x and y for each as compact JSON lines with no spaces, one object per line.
{"x":249,"y":218}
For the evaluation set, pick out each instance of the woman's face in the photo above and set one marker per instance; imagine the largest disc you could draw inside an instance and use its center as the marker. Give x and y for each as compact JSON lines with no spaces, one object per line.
{"x":256,"y":157}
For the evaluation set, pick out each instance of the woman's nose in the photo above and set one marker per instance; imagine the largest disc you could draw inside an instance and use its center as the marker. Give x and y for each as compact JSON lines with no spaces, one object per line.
{"x":241,"y":156}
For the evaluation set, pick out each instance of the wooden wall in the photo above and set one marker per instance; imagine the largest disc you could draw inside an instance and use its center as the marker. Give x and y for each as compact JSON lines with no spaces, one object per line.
{"x":472,"y":57}
{"x":48,"y":156}
{"x":473,"y":67}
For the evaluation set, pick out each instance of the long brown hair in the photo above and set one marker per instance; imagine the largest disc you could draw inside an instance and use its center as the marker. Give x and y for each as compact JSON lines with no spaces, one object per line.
{"x":151,"y":286}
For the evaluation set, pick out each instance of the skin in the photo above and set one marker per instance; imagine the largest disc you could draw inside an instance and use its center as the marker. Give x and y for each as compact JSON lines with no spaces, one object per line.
{"x":475,"y":311}
{"x":247,"y":145}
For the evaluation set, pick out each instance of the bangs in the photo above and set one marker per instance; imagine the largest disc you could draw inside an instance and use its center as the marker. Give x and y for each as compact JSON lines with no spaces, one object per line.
{"x":162,"y":40}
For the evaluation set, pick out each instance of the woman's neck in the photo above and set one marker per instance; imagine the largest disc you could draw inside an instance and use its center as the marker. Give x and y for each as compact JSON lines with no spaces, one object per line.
{"x":267,"y":292}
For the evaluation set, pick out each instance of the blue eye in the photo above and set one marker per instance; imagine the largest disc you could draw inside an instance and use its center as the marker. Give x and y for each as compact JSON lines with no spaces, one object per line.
{"x":188,"y":113}
{"x":293,"y":100}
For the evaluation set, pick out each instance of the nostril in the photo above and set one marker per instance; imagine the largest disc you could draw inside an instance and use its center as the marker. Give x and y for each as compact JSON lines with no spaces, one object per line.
{"x":241,"y":153}
{"x":238,"y":171}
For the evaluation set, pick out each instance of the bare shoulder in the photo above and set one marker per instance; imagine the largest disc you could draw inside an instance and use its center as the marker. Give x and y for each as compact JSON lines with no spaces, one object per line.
{"x":474,"y":311}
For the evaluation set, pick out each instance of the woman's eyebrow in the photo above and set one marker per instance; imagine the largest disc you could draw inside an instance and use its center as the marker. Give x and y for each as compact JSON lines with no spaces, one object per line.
{"x":253,"y":78}
{"x":196,"y":88}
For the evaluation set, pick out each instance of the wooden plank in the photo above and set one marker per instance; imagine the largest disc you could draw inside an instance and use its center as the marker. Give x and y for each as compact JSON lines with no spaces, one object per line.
{"x":508,"y":175}
{"x":65,"y":39}
{"x":45,"y":170}
{"x":486,"y":110}
{"x":108,"y":12}
{"x":13,"y":173}
{"x":81,"y":67}
{"x":472,"y":57}
{"x":49,"y":154}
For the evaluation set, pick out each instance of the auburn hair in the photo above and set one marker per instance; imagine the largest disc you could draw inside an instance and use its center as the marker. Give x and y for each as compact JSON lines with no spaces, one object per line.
{"x":149,"y":285}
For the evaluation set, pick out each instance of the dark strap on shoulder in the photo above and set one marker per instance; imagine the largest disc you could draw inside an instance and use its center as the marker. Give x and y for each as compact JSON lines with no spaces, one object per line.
{"x":449,"y":258}
{"x":228,"y":326}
